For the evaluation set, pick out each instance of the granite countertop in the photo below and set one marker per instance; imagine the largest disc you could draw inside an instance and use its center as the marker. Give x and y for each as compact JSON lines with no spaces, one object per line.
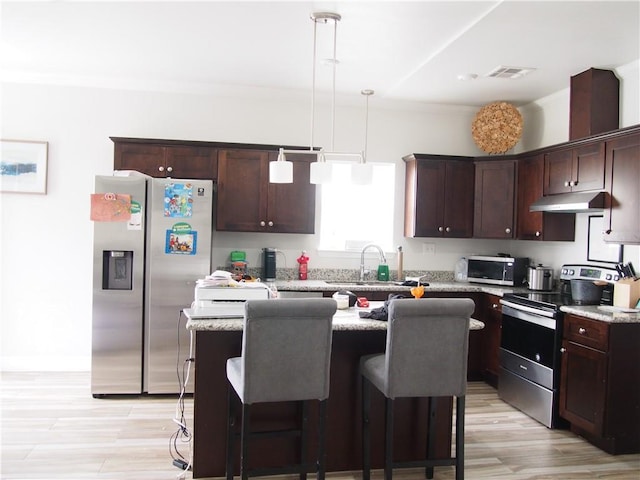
{"x":347,"y":319}
{"x":604,"y":313}
{"x":373,"y":286}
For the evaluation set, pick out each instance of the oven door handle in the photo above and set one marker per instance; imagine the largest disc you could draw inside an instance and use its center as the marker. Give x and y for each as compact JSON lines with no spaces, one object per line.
{"x":528,"y":314}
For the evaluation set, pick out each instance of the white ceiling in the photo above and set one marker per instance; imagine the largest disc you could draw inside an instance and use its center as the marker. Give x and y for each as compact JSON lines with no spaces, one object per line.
{"x":410,"y":51}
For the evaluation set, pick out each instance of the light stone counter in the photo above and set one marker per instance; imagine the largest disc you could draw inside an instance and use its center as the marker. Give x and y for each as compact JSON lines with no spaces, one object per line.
{"x":603,"y":313}
{"x":343,"y":320}
{"x":373,"y":286}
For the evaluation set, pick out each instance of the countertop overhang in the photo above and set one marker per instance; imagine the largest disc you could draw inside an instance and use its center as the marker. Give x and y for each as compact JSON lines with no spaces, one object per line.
{"x":347,"y":319}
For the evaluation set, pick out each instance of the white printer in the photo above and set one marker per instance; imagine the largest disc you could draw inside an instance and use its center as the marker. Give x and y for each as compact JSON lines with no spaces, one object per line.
{"x":225,"y":301}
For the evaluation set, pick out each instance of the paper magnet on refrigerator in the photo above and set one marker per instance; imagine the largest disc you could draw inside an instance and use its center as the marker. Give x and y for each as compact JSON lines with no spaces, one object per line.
{"x":178,"y":200}
{"x":181,"y":240}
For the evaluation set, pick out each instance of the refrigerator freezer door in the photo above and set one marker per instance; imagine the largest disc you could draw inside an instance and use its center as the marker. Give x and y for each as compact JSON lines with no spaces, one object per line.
{"x":178,"y":254}
{"x":118,"y":275}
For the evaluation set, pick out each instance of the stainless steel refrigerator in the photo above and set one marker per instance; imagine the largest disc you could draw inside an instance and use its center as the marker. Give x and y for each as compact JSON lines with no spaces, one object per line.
{"x":152,"y":241}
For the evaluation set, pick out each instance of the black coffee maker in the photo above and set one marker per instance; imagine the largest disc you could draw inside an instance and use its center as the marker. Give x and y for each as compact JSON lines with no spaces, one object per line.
{"x":269,"y":264}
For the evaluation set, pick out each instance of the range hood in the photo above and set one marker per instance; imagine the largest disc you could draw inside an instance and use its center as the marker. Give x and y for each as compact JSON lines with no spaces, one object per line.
{"x":578,"y":202}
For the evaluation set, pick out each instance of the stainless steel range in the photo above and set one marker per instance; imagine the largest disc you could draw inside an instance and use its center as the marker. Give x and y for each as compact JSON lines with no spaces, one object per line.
{"x":530,"y":353}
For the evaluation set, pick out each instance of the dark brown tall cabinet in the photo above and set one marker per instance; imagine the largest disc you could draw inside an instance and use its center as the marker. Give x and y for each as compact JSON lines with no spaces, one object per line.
{"x":600,"y":382}
{"x":165,"y":158}
{"x":538,"y":225}
{"x":494,"y":199}
{"x":622,"y":217}
{"x":247,"y":202}
{"x":438,"y":196}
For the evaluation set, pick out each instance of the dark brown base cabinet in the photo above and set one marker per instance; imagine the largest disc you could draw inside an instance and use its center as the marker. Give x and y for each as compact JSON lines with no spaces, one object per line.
{"x":491,"y":315}
{"x":600,"y":382}
{"x":344,"y":447}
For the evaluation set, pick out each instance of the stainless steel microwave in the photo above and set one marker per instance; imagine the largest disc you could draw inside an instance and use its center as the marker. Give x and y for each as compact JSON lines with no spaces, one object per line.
{"x":508,"y":271}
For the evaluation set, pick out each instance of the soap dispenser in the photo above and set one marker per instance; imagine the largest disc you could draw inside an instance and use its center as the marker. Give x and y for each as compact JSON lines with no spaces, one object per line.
{"x":383,"y":272}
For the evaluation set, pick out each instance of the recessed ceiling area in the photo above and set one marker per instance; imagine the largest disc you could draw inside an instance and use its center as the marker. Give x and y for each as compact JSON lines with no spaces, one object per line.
{"x":406,"y":51}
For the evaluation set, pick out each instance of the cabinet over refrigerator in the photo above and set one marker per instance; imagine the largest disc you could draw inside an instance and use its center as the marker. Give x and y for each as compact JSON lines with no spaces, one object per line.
{"x":152,"y":241}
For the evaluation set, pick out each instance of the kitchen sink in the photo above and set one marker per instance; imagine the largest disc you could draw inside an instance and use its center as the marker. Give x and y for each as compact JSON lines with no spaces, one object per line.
{"x":347,"y":283}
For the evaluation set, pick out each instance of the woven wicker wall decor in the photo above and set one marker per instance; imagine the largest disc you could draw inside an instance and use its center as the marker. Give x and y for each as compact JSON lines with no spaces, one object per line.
{"x":497,"y":127}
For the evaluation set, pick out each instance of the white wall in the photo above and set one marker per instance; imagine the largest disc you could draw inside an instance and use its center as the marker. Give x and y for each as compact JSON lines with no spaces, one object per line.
{"x":46,"y":240}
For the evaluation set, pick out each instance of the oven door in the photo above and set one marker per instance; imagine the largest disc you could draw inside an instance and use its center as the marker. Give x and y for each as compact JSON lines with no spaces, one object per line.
{"x":528,"y":346}
{"x":529,"y":362}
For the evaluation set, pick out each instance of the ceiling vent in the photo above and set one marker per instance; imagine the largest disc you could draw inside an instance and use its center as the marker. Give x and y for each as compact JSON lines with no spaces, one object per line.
{"x":509,"y":72}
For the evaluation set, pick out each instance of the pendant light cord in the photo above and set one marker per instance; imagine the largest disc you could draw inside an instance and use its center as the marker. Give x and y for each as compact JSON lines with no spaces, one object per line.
{"x":333,"y":102}
{"x":313,"y":84}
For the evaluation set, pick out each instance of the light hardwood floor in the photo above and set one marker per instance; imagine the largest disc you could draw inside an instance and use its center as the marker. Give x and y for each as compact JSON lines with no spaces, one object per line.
{"x":52,"y":428}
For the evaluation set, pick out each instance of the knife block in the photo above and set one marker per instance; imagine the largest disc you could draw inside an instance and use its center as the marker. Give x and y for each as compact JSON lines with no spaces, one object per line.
{"x":626,"y":293}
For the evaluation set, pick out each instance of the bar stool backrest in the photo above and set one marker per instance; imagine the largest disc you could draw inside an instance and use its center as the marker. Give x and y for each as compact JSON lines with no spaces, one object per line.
{"x":286,"y":349}
{"x":427,"y":347}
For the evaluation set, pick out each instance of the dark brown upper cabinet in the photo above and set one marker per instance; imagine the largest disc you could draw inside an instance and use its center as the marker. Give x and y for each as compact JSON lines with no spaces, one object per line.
{"x":166,"y":161}
{"x":495,"y":183}
{"x":247,"y":202}
{"x":574,"y":169}
{"x":438,"y":196}
{"x":622,"y":215}
{"x":538,"y":225}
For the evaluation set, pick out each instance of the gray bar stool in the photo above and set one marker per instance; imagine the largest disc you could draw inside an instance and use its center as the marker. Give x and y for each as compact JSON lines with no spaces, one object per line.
{"x":286,"y":355}
{"x":426,"y":356}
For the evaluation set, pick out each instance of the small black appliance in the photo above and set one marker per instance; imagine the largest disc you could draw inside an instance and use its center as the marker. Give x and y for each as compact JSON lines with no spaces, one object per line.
{"x":269,"y":264}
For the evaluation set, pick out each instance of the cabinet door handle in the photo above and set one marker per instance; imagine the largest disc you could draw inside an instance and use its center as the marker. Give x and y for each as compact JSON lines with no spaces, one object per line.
{"x":169,"y":169}
{"x":262,"y":224}
{"x":582,"y":331}
{"x":161,"y":168}
{"x":270,"y":223}
{"x":507,"y":230}
{"x":448,"y":229}
{"x":562,"y":350}
{"x":494,"y":305}
{"x":538,"y":234}
{"x":440,"y":229}
{"x":574,"y":183}
{"x":567,"y":183}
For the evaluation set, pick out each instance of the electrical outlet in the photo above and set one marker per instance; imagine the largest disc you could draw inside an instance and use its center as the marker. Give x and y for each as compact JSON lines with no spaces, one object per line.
{"x":429,"y":248}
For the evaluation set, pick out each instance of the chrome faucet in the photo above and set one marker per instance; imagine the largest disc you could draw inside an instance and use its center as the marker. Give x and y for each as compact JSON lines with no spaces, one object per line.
{"x":383,"y":259}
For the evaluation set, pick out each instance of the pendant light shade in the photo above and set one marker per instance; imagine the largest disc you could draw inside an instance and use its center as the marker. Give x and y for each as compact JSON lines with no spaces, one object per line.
{"x":281,"y":171}
{"x":321,"y":171}
{"x":361,"y":174}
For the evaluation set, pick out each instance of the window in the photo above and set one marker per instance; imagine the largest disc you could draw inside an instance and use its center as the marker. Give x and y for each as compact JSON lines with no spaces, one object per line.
{"x":353,"y":215}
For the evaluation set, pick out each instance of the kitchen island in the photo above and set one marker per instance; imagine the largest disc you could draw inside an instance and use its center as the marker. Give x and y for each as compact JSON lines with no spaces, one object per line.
{"x":219,"y":339}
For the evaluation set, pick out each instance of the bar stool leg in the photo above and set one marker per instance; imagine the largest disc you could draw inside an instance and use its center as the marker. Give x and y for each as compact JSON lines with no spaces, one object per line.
{"x":244,"y":442}
{"x":231,"y":421}
{"x":366,"y":438}
{"x":431,"y":435}
{"x":460,"y":406}
{"x":322,"y":433}
{"x":304,"y":420}
{"x":388,"y":443}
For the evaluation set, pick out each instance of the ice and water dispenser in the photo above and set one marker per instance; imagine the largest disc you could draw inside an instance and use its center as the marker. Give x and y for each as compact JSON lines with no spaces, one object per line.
{"x":117,"y":270}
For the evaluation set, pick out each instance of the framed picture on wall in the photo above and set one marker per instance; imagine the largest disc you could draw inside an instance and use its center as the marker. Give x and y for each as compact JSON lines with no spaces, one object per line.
{"x":23,"y":166}
{"x":597,"y":249}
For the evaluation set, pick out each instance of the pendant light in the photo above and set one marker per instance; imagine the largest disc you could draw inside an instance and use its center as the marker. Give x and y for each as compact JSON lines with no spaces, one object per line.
{"x":362,"y":172}
{"x":281,"y":171}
